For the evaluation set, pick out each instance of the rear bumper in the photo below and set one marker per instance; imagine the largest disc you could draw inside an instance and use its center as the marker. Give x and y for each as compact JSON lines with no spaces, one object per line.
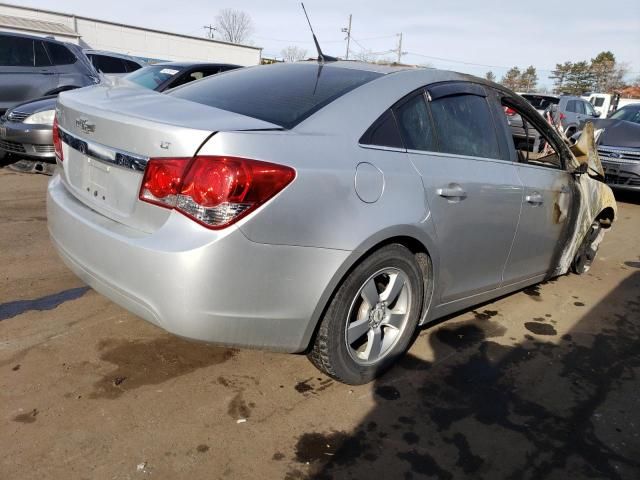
{"x":213,"y":286}
{"x":27,"y":140}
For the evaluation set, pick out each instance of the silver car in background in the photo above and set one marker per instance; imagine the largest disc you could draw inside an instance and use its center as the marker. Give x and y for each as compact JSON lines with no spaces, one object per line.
{"x":327,"y":208}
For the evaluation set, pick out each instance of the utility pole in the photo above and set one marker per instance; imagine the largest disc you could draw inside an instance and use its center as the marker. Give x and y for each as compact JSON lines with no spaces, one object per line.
{"x":211,"y":29}
{"x":399,"y":48}
{"x":348,"y":32}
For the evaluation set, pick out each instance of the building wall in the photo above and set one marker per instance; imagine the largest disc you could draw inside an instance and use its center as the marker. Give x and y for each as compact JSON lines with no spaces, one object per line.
{"x":141,"y":42}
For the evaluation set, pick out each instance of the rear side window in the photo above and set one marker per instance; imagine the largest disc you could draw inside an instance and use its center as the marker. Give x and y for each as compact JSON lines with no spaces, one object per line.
{"x":383,"y":133}
{"x":107,"y":64}
{"x":464,"y":126}
{"x":16,"y":51}
{"x":571,"y":106}
{"x":415,"y":124}
{"x":60,"y":55}
{"x":283,"y":94}
{"x":131,"y":66}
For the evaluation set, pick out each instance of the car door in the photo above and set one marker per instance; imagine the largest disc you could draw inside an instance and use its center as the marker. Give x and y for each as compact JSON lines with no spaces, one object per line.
{"x":25,"y":70}
{"x":546,"y":202}
{"x":471,"y":186}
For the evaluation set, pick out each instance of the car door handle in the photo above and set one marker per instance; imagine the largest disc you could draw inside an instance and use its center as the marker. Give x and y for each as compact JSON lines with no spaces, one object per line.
{"x":534,"y":199}
{"x":453,"y":191}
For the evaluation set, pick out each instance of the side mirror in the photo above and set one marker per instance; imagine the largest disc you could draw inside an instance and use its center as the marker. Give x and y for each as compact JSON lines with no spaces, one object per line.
{"x":595,"y":114}
{"x":581,"y":169}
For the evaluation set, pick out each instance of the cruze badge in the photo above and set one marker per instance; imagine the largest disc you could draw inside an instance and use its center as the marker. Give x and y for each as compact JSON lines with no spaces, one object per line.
{"x":85,"y":125}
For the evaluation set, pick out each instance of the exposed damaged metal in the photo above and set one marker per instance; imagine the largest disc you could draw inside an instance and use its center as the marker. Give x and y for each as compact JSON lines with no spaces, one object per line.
{"x":593,"y":200}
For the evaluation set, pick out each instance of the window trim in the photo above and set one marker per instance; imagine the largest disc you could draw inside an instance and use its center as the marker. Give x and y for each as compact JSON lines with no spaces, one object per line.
{"x":379,"y":121}
{"x":512,"y":104}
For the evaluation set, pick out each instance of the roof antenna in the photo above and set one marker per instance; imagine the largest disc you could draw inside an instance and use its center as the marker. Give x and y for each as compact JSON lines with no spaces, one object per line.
{"x":321,"y":56}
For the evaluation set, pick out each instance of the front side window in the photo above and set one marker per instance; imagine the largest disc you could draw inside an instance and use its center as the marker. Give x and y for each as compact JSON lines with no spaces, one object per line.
{"x":464,"y":126}
{"x":60,"y":55}
{"x":599,"y":101}
{"x":590,"y":110}
{"x":531,"y":145}
{"x":415,"y":124}
{"x":40,"y":55}
{"x":16,"y":52}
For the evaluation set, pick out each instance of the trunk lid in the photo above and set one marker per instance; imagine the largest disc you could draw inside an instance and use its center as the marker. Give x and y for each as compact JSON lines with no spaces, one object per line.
{"x":109,"y":132}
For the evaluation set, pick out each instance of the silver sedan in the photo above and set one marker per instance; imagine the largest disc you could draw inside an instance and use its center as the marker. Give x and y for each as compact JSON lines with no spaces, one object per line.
{"x":327,"y":208}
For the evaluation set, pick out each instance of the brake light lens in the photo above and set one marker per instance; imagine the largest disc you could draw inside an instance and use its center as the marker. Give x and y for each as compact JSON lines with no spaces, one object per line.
{"x":562,"y":116}
{"x":57,"y":143}
{"x":214,"y":191}
{"x":509,"y":112}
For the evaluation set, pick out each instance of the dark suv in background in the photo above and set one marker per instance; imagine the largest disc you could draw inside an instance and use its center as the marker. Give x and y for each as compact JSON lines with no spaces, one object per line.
{"x":569,"y":111}
{"x":32,"y":67}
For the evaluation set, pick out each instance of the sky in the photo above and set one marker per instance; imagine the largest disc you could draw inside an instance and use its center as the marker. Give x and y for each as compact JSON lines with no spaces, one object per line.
{"x":470,"y":36}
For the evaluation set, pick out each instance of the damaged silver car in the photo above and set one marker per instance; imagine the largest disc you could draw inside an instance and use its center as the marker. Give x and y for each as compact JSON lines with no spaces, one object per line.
{"x":327,"y":208}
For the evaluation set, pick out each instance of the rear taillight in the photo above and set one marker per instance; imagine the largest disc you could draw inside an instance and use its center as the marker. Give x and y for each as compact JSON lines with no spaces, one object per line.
{"x":214,"y":191}
{"x":509,"y":112}
{"x":57,"y":143}
{"x":562,"y":116}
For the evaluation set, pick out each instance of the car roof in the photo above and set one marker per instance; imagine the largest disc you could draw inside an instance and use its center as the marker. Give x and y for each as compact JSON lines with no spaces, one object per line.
{"x":182,"y":65}
{"x":34,"y":37}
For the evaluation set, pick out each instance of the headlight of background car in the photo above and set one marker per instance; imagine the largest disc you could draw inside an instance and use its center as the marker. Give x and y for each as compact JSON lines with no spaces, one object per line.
{"x":41,"y":118}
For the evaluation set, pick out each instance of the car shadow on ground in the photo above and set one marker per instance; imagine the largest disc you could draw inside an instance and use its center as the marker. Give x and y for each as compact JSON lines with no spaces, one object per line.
{"x":488,"y":407}
{"x":627,"y":196}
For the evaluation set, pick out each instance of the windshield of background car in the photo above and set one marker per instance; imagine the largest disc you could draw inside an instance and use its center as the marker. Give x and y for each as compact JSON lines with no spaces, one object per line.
{"x":151,"y":77}
{"x":540,"y":102}
{"x":281,"y":94}
{"x":628,"y":114}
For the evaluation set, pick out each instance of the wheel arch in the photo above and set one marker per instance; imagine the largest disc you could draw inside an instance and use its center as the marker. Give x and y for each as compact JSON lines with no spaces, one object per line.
{"x":606,"y":217}
{"x":413,"y":238}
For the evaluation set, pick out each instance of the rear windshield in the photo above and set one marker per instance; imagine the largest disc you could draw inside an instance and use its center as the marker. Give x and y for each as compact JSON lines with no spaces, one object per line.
{"x":152,"y":77}
{"x":280,"y":94}
{"x":540,"y":102}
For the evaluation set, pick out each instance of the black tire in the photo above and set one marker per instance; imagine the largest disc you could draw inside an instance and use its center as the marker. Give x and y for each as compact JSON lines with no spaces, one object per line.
{"x":586,"y":254}
{"x":330,"y":352}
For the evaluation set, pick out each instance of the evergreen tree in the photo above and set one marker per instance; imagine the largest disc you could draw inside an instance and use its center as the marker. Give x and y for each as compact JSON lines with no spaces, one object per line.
{"x":559,"y":75}
{"x":512,"y":78}
{"x":529,"y":79}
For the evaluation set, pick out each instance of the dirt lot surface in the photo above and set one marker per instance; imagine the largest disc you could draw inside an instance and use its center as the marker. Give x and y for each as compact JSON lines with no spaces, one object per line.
{"x":541,"y":384}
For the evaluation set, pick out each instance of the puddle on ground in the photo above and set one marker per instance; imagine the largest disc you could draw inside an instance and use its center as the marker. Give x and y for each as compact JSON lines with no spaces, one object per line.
{"x":540,"y":328}
{"x":13,"y":309}
{"x":152,"y":362}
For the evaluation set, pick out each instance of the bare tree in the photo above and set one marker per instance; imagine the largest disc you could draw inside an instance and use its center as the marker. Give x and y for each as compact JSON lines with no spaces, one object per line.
{"x":364,"y":56}
{"x":293,"y":53}
{"x":234,"y":26}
